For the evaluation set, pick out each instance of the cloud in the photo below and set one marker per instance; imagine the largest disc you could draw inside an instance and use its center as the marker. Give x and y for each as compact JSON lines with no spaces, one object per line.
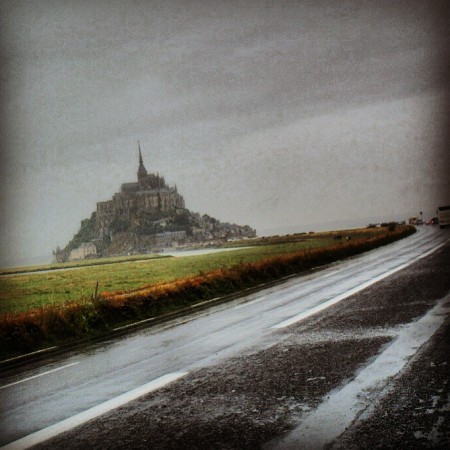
{"x":292,"y":107}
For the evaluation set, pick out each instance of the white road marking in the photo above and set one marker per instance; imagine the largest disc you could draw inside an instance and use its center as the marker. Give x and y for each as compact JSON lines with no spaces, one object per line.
{"x":38,"y":375}
{"x":334,"y":300}
{"x":243,"y":305}
{"x":17,"y":358}
{"x":323,"y":425}
{"x":124,"y":327}
{"x":92,"y":413}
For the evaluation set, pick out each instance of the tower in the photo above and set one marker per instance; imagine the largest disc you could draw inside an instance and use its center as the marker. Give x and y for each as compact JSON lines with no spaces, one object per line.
{"x":142,"y":171}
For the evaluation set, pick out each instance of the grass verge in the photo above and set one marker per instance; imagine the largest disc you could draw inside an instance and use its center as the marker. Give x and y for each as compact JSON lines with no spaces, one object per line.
{"x":26,"y":331}
{"x":22,"y":292}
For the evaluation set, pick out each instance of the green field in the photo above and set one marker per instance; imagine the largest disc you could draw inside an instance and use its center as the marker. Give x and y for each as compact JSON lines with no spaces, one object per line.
{"x":27,"y":291}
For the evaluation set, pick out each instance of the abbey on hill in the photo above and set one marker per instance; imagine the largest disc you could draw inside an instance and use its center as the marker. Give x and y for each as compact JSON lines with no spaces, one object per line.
{"x":149,"y":198}
{"x":145,"y":216}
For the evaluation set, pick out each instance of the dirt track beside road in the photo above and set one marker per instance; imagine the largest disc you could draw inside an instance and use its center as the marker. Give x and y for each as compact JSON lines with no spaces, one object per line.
{"x":416,"y":413}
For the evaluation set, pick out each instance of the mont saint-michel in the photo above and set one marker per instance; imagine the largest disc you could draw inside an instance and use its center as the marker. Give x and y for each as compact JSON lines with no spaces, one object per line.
{"x":146,"y":216}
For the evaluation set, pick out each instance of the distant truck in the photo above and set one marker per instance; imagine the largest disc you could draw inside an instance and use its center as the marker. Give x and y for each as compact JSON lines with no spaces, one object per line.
{"x":443,"y":213}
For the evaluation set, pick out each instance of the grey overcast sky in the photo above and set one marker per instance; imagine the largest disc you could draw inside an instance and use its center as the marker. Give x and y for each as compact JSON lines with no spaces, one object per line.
{"x":283,"y":115}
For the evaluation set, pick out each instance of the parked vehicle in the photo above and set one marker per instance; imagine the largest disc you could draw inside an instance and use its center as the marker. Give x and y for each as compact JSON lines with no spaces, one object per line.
{"x":443,"y":213}
{"x":432,"y":221}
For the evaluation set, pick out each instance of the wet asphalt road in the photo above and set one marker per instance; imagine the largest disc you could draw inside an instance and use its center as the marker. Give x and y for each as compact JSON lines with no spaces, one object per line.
{"x":249,"y":377}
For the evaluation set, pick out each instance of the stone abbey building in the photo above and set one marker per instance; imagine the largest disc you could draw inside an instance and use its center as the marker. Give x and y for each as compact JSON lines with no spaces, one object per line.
{"x":145,"y":216}
{"x":149,"y":195}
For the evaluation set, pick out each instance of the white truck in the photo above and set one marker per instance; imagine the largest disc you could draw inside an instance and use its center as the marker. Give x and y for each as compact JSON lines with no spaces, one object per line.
{"x":443,"y":213}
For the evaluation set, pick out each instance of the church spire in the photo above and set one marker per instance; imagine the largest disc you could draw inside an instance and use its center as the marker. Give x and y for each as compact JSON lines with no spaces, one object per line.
{"x":142,"y":171}
{"x":140,"y":154}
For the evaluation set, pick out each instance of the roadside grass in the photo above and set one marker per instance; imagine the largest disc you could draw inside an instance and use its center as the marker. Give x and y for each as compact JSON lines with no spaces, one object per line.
{"x":136,"y":291}
{"x":23,"y":292}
